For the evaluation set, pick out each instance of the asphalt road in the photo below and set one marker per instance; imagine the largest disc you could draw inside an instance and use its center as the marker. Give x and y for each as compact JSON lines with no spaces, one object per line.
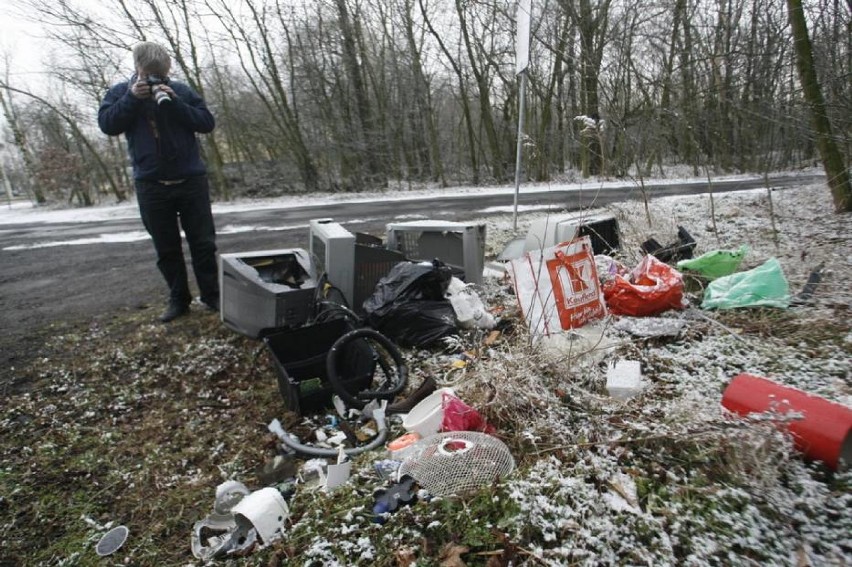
{"x":40,"y":287}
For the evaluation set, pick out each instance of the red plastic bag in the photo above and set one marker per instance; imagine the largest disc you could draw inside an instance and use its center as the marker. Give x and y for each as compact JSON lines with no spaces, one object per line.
{"x":651,"y":287}
{"x":458,"y":416}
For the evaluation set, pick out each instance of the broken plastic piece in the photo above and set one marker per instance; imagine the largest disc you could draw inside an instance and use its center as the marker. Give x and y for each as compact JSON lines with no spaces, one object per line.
{"x":111,"y":541}
{"x":265,"y":510}
{"x":402,"y":493}
{"x":339,"y":473}
{"x":681,"y":249}
{"x":212,"y":536}
{"x":399,"y":448}
{"x":811,"y":285}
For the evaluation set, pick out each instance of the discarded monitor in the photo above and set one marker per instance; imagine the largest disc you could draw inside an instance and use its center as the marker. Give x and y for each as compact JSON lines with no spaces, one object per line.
{"x":333,"y":252}
{"x":266,"y":290}
{"x":459,"y":245}
{"x":551,"y":230}
{"x":353,"y":263}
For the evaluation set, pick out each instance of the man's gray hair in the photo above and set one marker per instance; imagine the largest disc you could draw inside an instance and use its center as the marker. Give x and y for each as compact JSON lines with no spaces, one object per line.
{"x":152,"y":58}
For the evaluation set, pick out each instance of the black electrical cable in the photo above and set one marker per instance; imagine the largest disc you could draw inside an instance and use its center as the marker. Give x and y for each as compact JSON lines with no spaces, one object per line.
{"x":360,"y":399}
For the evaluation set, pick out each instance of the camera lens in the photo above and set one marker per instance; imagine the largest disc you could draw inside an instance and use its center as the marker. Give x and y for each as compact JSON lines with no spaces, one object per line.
{"x":161,"y":96}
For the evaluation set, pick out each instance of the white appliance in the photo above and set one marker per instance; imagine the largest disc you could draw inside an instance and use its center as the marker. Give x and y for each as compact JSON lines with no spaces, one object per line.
{"x":554,"y":229}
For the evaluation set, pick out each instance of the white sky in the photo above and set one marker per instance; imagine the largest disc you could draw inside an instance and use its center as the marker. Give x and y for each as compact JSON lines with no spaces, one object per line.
{"x":22,"y":41}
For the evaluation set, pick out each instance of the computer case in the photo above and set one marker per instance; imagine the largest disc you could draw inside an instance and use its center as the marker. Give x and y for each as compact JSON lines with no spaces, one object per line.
{"x":266,"y":290}
{"x":459,"y":245}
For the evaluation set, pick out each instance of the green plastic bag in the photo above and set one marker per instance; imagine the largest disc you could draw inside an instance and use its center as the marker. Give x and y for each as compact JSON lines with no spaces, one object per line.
{"x":764,"y":286}
{"x":716,"y":263}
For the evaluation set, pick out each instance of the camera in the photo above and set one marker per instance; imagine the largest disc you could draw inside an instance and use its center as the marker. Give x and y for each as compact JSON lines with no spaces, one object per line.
{"x":154,"y":81}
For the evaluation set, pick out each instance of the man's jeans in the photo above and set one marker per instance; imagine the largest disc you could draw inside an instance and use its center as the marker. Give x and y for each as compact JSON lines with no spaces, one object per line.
{"x":165,"y":210}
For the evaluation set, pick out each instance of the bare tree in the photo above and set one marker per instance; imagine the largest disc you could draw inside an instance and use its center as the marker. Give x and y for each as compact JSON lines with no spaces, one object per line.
{"x":832,"y":159}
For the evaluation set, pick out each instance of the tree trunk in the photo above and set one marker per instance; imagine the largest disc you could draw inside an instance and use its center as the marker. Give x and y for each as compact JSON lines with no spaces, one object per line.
{"x":832,"y":159}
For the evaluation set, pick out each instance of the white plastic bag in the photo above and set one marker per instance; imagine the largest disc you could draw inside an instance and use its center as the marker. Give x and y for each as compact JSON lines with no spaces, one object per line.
{"x":469,"y":309}
{"x":558,"y":287}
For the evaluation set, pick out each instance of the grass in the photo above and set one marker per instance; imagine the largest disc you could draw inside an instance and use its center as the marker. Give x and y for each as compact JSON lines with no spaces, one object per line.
{"x":130,"y":422}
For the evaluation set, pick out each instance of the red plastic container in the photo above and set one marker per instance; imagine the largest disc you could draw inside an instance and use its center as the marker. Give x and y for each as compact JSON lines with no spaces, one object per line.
{"x":824,"y":432}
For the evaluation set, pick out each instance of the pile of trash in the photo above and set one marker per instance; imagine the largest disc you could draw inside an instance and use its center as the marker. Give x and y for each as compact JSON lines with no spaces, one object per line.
{"x":344,"y":378}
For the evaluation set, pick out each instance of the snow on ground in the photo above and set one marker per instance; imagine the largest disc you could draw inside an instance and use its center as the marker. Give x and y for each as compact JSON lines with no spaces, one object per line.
{"x":667,"y":478}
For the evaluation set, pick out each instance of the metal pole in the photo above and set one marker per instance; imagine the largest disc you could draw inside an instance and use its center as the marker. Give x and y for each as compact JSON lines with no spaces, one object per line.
{"x":520,"y":142}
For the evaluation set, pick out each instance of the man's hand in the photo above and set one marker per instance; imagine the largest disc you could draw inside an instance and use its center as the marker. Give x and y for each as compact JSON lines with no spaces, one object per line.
{"x":168,"y":90}
{"x":141,"y":89}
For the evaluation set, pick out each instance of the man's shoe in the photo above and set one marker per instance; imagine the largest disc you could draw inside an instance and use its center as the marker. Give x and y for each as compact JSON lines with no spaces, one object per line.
{"x":211,"y":304}
{"x":173,"y":311}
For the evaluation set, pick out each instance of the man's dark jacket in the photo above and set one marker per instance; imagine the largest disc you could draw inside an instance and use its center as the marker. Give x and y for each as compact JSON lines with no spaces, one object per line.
{"x":160,"y":138}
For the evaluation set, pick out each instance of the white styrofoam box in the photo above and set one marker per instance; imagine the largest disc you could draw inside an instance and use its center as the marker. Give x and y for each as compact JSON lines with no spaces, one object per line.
{"x":624,"y":379}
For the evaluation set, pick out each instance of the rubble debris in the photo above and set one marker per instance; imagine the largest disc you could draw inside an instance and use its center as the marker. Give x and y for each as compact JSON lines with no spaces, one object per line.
{"x":650,"y":327}
{"x":294,"y":444}
{"x":586,"y":346}
{"x":277,"y":469}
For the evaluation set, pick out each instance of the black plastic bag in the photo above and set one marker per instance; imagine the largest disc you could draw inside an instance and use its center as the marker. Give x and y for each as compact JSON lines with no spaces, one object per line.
{"x":416,"y":323}
{"x":408,"y":305}
{"x":409,"y":281}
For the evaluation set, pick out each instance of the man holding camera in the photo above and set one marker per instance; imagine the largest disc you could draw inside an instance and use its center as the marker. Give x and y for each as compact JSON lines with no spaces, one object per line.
{"x":160,"y":119}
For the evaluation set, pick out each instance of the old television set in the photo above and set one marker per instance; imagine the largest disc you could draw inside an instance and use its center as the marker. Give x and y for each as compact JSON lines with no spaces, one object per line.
{"x":549,"y":231}
{"x":459,"y":245}
{"x":333,"y":253}
{"x":353,"y":263}
{"x":266,"y":290}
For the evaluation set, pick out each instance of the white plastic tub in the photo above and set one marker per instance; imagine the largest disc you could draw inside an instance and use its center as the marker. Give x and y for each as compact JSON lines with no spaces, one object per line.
{"x":426,"y":417}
